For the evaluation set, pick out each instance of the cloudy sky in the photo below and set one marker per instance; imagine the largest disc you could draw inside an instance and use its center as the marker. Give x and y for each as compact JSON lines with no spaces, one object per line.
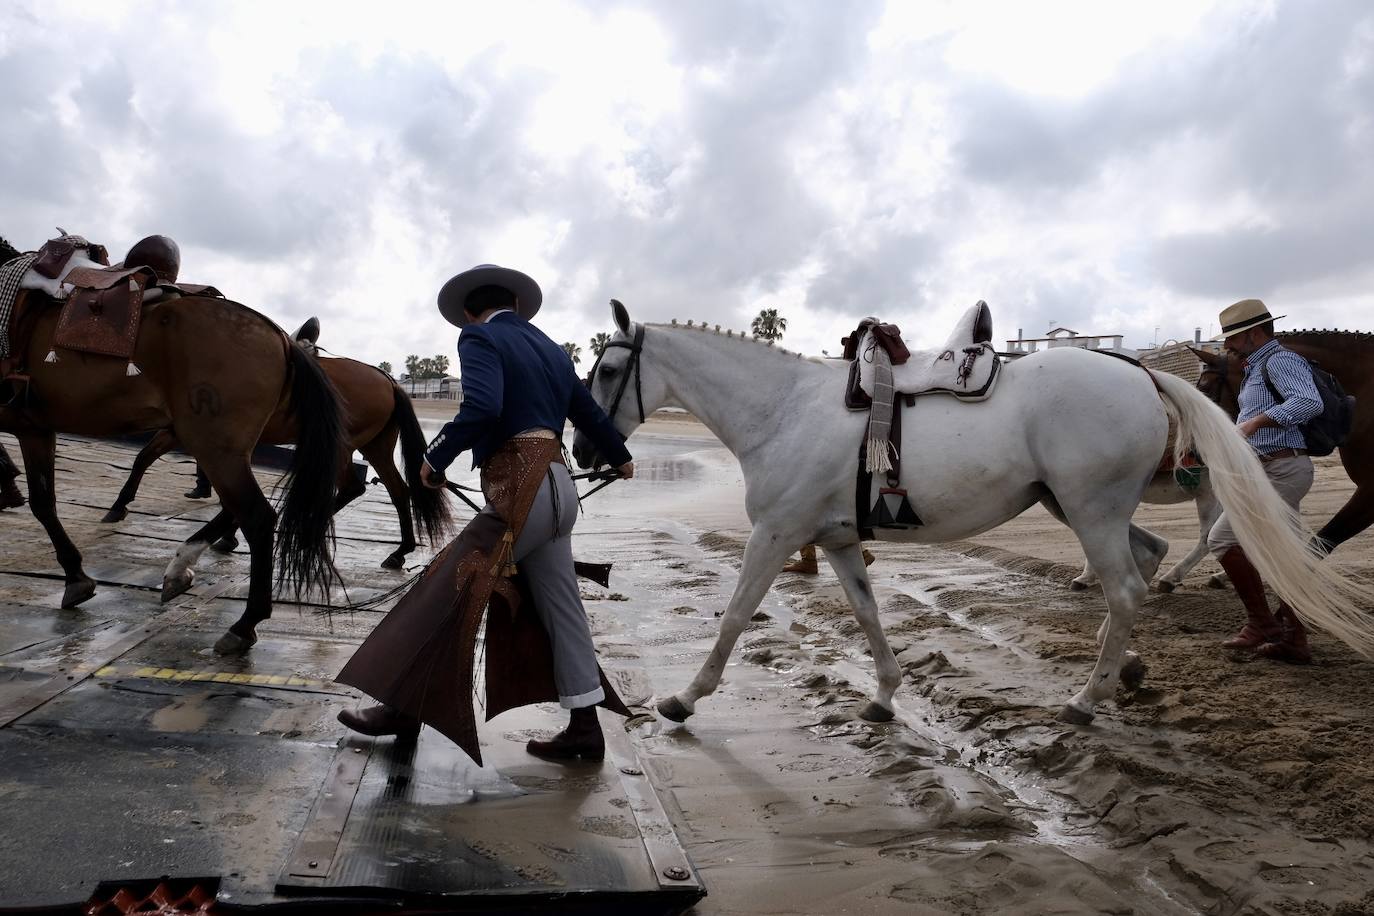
{"x":1111,"y":167}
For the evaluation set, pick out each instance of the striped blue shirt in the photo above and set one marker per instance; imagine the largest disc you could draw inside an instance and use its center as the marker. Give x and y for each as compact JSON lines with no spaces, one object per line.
{"x":1292,"y":376}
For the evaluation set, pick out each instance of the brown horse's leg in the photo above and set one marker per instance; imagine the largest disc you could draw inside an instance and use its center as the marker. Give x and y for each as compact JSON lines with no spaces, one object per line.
{"x":161,"y":444}
{"x":40,"y":454}
{"x":379,"y":454}
{"x":181,"y":571}
{"x":1355,"y":516}
{"x":233,"y":480}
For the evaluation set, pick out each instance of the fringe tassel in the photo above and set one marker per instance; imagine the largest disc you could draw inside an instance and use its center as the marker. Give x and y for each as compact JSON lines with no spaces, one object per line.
{"x":51,"y":357}
{"x":505,"y":556}
{"x":878,"y":458}
{"x":132,"y":370}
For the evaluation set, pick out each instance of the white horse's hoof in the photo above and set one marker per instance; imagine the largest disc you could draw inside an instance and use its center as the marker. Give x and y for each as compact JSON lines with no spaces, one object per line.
{"x":1133,"y":672}
{"x":1164,"y":585}
{"x":1076,"y":586}
{"x":875,"y":712}
{"x":232,"y":643}
{"x":177,"y":585}
{"x":1072,"y":715}
{"x":673,"y":709}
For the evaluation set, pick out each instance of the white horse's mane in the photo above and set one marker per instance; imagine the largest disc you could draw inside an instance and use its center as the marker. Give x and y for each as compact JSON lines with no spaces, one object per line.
{"x":733,"y":335}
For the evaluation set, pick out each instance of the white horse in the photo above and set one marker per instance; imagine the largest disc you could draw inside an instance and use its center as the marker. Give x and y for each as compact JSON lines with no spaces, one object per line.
{"x":1164,"y":490}
{"x":1077,"y":431}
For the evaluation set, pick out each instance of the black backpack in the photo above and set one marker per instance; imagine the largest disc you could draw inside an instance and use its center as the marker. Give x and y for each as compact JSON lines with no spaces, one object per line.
{"x":1328,"y":430}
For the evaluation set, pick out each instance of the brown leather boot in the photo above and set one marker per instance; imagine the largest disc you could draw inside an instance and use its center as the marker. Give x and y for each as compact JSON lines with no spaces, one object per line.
{"x":581,"y":739}
{"x":806,"y":564}
{"x":1292,"y":646}
{"x":1260,"y":626}
{"x":10,"y":497}
{"x":381,"y":720}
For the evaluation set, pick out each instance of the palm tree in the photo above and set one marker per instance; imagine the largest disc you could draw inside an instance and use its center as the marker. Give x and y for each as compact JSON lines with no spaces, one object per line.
{"x":385,"y":366}
{"x":769,"y":325}
{"x":599,"y":343}
{"x":574,"y":352}
{"x":439,"y":366}
{"x":413,"y":366}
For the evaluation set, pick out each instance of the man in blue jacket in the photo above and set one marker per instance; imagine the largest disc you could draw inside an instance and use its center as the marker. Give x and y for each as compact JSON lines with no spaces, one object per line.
{"x":518,"y":385}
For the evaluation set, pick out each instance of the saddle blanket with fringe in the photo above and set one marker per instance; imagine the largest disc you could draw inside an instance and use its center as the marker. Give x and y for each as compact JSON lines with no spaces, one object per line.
{"x":103,"y":311}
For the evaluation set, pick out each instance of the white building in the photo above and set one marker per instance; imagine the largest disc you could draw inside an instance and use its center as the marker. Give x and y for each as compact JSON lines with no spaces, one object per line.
{"x":448,"y":387}
{"x":1066,"y":337}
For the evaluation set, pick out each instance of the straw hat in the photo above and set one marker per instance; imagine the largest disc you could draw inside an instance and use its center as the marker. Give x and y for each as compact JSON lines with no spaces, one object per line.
{"x":1244,"y":315}
{"x":528,"y":296}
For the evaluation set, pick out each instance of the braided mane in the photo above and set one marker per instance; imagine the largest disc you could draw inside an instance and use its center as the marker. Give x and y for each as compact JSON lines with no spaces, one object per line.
{"x":736,"y":335}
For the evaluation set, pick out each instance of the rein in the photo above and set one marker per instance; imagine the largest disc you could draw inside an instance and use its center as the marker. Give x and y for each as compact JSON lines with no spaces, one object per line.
{"x":606,"y":477}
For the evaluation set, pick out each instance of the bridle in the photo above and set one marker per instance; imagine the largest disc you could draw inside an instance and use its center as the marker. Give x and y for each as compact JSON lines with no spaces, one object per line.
{"x":1222,"y":371}
{"x":631,"y":364}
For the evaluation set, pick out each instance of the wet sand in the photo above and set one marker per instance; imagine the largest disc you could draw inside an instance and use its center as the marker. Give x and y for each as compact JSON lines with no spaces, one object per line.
{"x":1226,"y":784}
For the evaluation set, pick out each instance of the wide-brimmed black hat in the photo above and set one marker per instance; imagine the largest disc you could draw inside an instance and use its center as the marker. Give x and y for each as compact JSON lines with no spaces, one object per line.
{"x":528,"y":296}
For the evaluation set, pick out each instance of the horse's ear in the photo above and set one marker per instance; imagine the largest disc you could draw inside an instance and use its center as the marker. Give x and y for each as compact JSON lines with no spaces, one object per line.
{"x":621,"y":316}
{"x":1210,"y":359}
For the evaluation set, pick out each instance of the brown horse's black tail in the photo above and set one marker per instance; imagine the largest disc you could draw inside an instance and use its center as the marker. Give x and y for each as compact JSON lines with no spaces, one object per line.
{"x":305,"y":526}
{"x":430,"y":507}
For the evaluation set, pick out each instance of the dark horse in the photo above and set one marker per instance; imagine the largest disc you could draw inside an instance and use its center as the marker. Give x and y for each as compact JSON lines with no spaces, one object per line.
{"x":376,"y":413}
{"x":1349,"y":356}
{"x":216,"y":372}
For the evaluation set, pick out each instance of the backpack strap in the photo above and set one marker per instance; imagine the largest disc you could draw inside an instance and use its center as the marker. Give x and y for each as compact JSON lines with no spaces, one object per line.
{"x":1268,"y":382}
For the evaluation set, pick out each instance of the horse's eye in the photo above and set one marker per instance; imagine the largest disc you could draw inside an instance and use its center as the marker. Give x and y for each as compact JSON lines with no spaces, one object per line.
{"x":609,"y":371}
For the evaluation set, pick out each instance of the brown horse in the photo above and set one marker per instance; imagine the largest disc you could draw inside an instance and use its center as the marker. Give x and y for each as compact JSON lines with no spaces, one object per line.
{"x":1349,"y":356}
{"x":216,"y":372}
{"x":376,"y":413}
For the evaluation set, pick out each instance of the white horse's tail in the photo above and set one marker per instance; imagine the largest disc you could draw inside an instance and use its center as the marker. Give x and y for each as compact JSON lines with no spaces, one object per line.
{"x":1272,"y":535}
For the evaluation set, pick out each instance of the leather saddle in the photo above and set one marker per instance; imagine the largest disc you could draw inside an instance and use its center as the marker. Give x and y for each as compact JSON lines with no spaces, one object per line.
{"x":965,"y":367}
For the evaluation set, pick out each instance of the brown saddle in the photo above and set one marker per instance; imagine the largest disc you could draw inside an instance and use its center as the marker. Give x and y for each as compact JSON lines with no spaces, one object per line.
{"x":102,"y":314}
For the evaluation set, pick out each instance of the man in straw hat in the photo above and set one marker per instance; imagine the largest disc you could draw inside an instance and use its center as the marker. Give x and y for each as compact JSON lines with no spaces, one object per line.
{"x":519,"y":387}
{"x":1271,"y":427}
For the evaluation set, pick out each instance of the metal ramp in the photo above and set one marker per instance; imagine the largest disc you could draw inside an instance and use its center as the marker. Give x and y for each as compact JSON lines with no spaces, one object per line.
{"x":141,"y":773}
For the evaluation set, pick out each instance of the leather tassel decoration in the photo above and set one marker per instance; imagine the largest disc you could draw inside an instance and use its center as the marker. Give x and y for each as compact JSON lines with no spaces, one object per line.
{"x":51,"y":357}
{"x":132,"y":370}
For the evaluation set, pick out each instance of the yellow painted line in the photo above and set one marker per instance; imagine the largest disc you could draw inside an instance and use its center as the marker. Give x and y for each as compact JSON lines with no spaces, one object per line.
{"x":219,"y":677}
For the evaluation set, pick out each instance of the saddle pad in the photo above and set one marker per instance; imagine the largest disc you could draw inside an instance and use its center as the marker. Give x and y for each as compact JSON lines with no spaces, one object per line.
{"x":103,"y":313}
{"x":11,"y":274}
{"x":941,"y":370}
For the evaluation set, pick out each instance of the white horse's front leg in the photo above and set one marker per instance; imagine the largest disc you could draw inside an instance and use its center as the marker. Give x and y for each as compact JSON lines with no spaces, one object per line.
{"x":848,"y":563}
{"x":763,"y":559}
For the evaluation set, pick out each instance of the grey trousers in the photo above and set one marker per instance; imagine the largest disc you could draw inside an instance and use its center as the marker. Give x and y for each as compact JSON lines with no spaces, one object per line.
{"x":1291,"y":477}
{"x":543,"y":553}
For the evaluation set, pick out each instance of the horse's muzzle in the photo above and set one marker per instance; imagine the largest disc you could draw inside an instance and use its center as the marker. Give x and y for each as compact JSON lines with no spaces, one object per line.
{"x":584,"y":453}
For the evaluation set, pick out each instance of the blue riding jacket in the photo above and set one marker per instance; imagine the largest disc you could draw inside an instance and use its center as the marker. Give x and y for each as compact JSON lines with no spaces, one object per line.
{"x":516,"y":379}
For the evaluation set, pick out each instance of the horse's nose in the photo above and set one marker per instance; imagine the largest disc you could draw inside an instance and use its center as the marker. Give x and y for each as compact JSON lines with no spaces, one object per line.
{"x":583,"y":453}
